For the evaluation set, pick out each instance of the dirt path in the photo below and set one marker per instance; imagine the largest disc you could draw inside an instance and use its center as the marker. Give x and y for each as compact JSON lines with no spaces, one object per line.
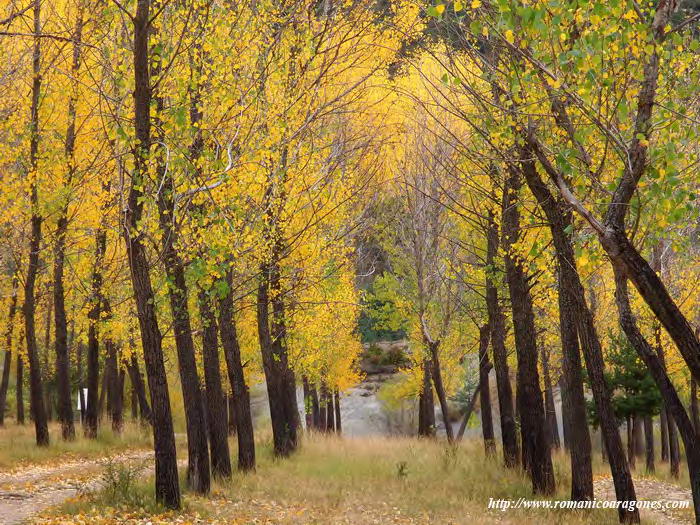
{"x":27,"y":491}
{"x":652,"y":490}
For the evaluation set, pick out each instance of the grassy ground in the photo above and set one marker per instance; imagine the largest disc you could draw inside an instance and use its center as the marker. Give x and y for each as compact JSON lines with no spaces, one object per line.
{"x":333,"y":480}
{"x":18,"y":447}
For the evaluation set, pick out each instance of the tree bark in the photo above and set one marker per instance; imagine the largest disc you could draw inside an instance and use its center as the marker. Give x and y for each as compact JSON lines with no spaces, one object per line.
{"x":20,"y":390}
{"x":315,"y":408}
{"x":216,"y":402}
{"x":695,"y":412}
{"x":663,"y":423}
{"x":232,"y":426}
{"x":426,"y":405}
{"x":239,"y":388}
{"x":649,"y":442}
{"x":496,"y":324}
{"x":4,"y":384}
{"x":336,"y":404}
{"x":550,"y":409}
{"x":36,"y":390}
{"x":631,"y":456}
{"x":116,"y":390}
{"x":138,"y":386}
{"x":485,"y":392}
{"x":536,"y":446}
{"x":167,"y":483}
{"x":440,"y":388}
{"x":308,"y":408}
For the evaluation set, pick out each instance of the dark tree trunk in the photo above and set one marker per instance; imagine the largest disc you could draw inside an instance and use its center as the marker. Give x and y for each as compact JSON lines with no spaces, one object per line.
{"x":167,"y":483}
{"x":20,"y":390}
{"x":603,"y":448}
{"x":47,"y":376}
{"x":649,"y":442}
{"x":36,"y":390}
{"x":694,"y":411}
{"x":673,"y":447}
{"x":327,"y":408}
{"x":663,"y":423}
{"x":336,"y":404}
{"x":134,"y":404}
{"x":440,"y":389}
{"x":637,"y":429}
{"x":579,"y":313}
{"x":631,"y":456}
{"x":106,"y":384}
{"x":657,"y":368}
{"x":278,"y":375}
{"x":232,"y":426}
{"x":496,"y":324}
{"x":485,"y":392}
{"x":426,"y":405}
{"x":322,"y":412}
{"x":550,"y":409}
{"x":239,"y":388}
{"x":536,"y":446}
{"x":216,"y":402}
{"x":140,"y":389}
{"x":4,"y":384}
{"x":116,"y":393}
{"x":315,"y":408}
{"x":565,"y":415}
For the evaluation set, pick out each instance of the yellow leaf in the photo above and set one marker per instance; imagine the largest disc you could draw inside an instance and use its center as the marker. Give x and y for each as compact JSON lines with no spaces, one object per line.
{"x":510,"y":36}
{"x":458,"y":6}
{"x":476,"y":4}
{"x":440,"y":8}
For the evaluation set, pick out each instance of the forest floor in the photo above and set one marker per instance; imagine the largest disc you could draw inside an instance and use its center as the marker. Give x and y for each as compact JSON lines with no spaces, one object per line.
{"x":332,"y":480}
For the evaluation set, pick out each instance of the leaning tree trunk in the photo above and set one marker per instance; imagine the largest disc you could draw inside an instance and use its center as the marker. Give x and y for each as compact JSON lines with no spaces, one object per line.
{"x":239,"y":388}
{"x":167,"y":483}
{"x":695,"y":412}
{"x":440,"y":389}
{"x":36,"y":390}
{"x":497,"y":328}
{"x":536,"y":446}
{"x":485,"y":392}
{"x":216,"y":402}
{"x":657,"y":368}
{"x":8,"y":349}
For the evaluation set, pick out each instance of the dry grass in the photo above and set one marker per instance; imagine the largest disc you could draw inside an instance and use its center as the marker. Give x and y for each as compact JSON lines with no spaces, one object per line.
{"x":18,"y":448}
{"x":370,"y":480}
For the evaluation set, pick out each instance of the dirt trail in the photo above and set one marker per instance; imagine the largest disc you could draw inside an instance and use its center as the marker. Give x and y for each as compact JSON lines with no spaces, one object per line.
{"x":652,"y":490}
{"x":26,"y":492}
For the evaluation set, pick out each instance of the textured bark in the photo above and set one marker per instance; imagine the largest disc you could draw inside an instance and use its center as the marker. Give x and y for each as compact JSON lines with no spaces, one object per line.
{"x":535,"y":441}
{"x":673,"y":448}
{"x":550,"y":409}
{"x":167,"y":483}
{"x":485,"y":392}
{"x":496,"y":324}
{"x":216,"y":402}
{"x":649,"y":443}
{"x":663,"y":423}
{"x":36,"y":388}
{"x":239,"y":388}
{"x":694,"y":411}
{"x":426,"y":405}
{"x":4,"y":383}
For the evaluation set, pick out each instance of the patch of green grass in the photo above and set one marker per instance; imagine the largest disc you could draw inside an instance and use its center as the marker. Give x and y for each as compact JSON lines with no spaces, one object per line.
{"x":18,"y":447}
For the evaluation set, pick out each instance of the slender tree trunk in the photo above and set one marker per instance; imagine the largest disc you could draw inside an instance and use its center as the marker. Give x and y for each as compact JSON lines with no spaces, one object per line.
{"x":485,"y":391}
{"x":673,"y":447}
{"x":322,"y":412}
{"x":308,"y":408}
{"x":116,"y":392}
{"x":36,"y":389}
{"x":167,"y":483}
{"x":440,"y":389}
{"x":47,"y":376}
{"x":134,"y":404}
{"x":241,"y":396}
{"x":336,"y":404}
{"x":4,"y":384}
{"x":663,"y":423}
{"x":315,"y":408}
{"x":550,"y":409}
{"x":637,"y":429}
{"x":19,"y":387}
{"x":140,"y":389}
{"x":631,"y":456}
{"x":496,"y":324}
{"x":232,"y":426}
{"x":649,"y":442}
{"x":426,"y":405}
{"x":216,"y":402}
{"x":327,"y":408}
{"x":603,"y":447}
{"x":536,"y":446}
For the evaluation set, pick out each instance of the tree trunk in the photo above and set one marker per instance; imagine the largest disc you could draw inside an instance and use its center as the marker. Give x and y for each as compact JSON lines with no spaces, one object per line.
{"x":485,"y":392}
{"x":631,"y":456}
{"x":138,"y":386}
{"x":36,"y":390}
{"x":316,"y":408}
{"x":550,"y":409}
{"x":116,"y":392}
{"x":603,"y":447}
{"x":239,"y":388}
{"x":322,"y":412}
{"x":336,"y":403}
{"x":167,"y":483}
{"x":440,"y":389}
{"x":327,"y":407}
{"x":216,"y":402}
{"x":134,"y":404}
{"x":536,"y":446}
{"x":496,"y":324}
{"x":637,"y":429}
{"x":663,"y":423}
{"x":20,"y":390}
{"x":232,"y":426}
{"x":649,"y":442}
{"x":673,"y":447}
{"x":579,"y":313}
{"x":4,"y":384}
{"x":308,"y":408}
{"x":426,"y":405}
{"x":695,"y":413}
